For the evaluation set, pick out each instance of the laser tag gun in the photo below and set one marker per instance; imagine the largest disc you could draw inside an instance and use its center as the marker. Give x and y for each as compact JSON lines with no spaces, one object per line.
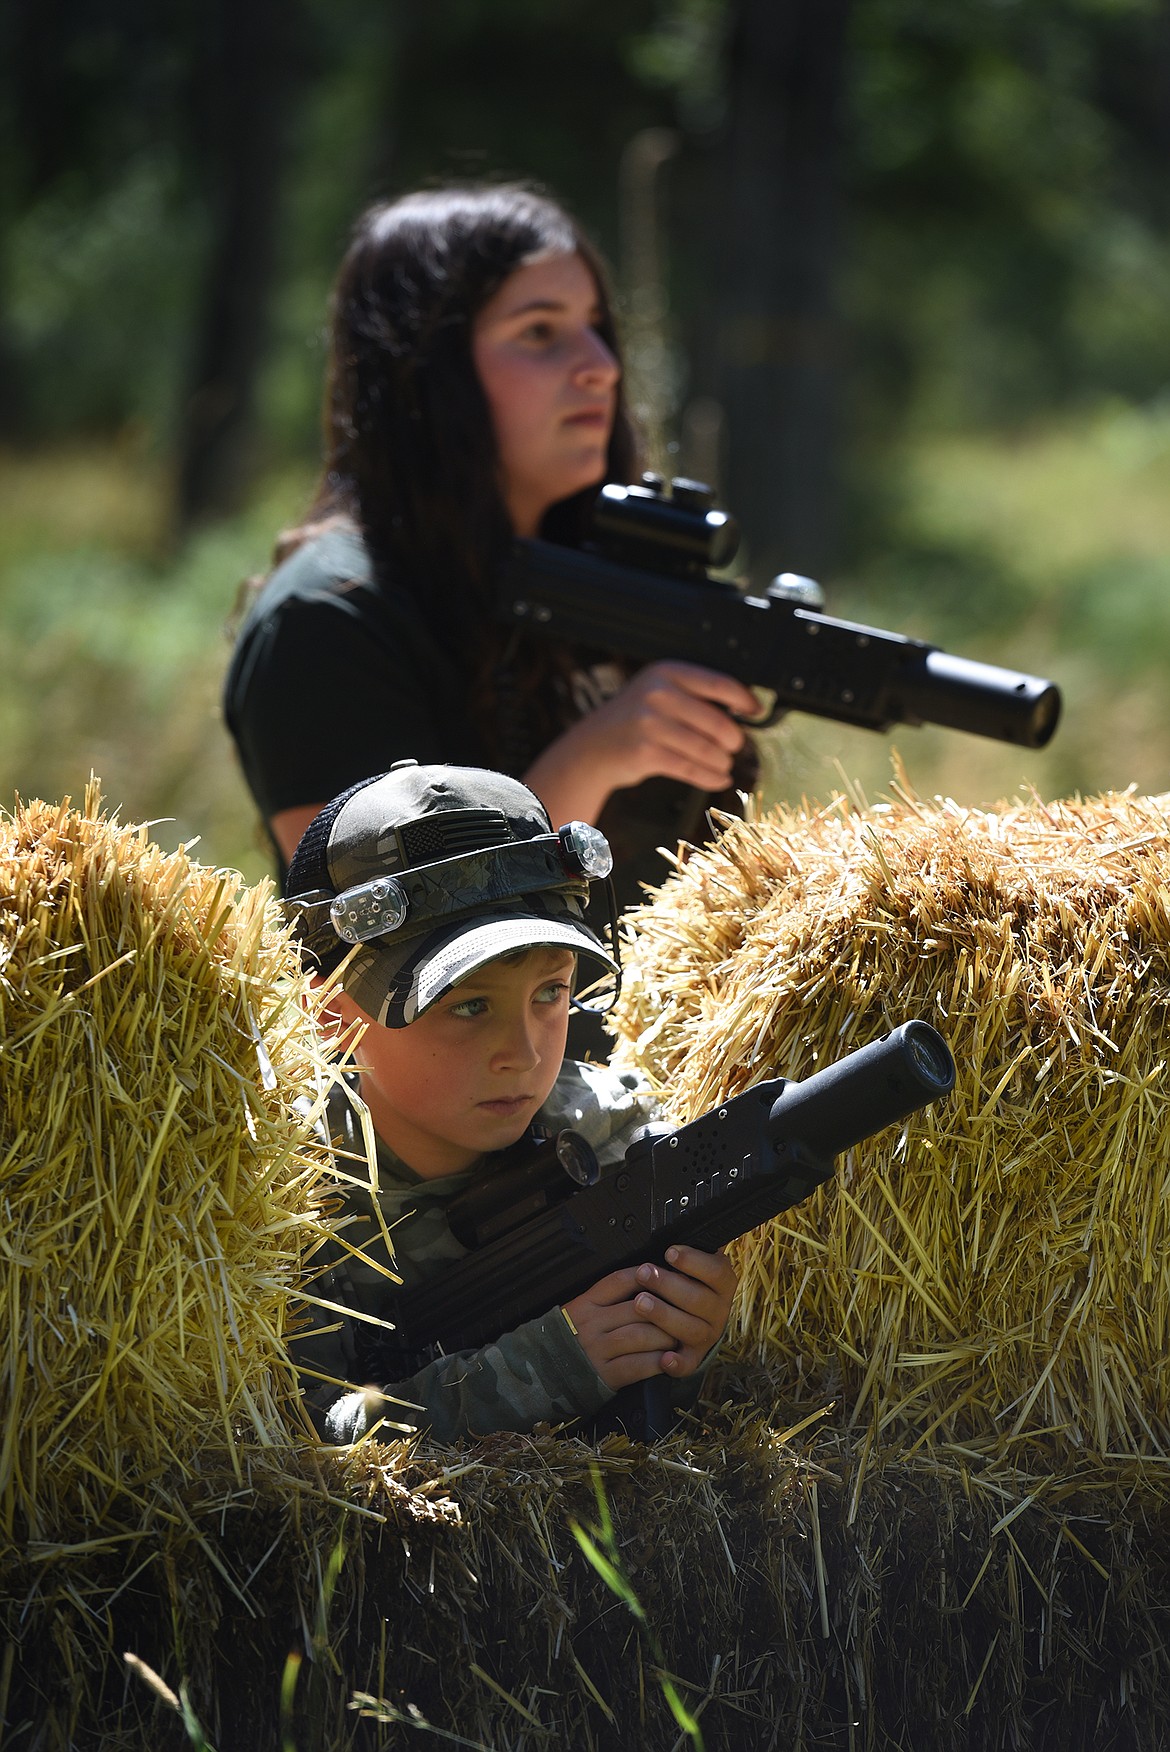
{"x":550,"y":1224}
{"x":641,"y":586}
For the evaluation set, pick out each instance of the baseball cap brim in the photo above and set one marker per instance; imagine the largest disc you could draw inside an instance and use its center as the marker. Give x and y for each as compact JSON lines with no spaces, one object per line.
{"x":395,"y":989}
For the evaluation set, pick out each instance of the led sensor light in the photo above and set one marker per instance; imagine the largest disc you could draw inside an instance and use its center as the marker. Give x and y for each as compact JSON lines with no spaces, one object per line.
{"x":370,"y":910}
{"x":586,"y":849}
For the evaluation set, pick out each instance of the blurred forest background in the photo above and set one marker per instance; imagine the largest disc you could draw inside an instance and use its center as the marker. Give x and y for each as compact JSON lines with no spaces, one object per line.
{"x":894,"y":273}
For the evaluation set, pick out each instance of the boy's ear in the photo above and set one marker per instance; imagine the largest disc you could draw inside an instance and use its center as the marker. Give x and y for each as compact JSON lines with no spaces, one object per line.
{"x":339,"y":1012}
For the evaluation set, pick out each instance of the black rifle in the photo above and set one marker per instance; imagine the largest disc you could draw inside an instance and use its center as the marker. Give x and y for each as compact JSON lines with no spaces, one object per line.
{"x":551,"y":1223}
{"x":641,"y":586}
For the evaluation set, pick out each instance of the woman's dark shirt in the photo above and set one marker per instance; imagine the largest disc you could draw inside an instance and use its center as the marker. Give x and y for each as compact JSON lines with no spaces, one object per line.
{"x":335,"y":675}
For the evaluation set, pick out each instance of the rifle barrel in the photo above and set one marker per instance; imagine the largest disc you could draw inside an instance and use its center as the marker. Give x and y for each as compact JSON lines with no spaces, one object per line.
{"x":862,"y":1093}
{"x":704,"y":1183}
{"x":811,"y":662}
{"x":978,"y":697}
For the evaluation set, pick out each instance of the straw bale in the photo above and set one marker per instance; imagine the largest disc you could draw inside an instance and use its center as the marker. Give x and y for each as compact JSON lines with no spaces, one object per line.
{"x":160,"y":1176}
{"x":996,"y":1272}
{"x":445,"y":1586}
{"x":800,"y":1597}
{"x":859,"y":1579}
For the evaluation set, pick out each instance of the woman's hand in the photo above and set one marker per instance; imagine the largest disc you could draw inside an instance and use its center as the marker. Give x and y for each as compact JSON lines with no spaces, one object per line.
{"x":647,"y":1319}
{"x":671,"y":720}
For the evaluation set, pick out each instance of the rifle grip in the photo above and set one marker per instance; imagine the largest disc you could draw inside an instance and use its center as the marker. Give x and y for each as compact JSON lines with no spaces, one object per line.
{"x":643,"y":1411}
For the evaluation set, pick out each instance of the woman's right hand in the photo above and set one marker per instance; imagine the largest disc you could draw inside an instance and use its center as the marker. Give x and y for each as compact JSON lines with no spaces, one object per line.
{"x":671,"y":720}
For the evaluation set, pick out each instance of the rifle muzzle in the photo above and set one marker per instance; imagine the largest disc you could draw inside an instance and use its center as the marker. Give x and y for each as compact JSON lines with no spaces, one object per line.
{"x":980,"y":698}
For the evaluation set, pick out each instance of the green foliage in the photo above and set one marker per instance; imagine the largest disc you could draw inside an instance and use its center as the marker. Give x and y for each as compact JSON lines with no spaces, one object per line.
{"x":1046,"y":551}
{"x":1004,"y":285}
{"x":180,"y":1703}
{"x":600,"y":1548}
{"x":117,"y":647}
{"x":683,"y":53}
{"x":1006,"y":240}
{"x":96,"y":308}
{"x":1009,"y":248}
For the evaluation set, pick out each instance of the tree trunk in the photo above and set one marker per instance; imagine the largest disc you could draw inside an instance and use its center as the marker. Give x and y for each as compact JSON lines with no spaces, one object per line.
{"x":244,"y":101}
{"x":778,"y":340}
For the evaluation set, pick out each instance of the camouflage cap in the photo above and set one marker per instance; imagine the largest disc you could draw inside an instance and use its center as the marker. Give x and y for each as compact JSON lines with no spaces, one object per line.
{"x":476,"y":871}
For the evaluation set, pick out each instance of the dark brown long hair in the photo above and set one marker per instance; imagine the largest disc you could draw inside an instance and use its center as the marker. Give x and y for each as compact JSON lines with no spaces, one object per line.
{"x":410,"y":452}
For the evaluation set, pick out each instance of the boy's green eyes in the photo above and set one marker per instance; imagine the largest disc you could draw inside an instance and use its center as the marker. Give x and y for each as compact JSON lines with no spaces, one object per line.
{"x":468,"y":1007}
{"x":549,"y":993}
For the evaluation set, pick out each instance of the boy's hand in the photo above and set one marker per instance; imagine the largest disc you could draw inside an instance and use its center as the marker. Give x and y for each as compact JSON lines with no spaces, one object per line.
{"x":649,"y":1319}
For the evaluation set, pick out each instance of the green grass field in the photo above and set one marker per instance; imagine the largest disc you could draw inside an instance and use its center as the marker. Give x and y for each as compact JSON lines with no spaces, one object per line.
{"x":1049,"y":552}
{"x":117,"y":647}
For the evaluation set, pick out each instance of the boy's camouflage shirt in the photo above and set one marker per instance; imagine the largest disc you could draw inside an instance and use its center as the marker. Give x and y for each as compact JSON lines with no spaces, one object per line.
{"x":536,"y":1373}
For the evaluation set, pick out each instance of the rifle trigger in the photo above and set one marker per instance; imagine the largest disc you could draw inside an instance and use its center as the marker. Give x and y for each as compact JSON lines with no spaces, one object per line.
{"x":770,"y":713}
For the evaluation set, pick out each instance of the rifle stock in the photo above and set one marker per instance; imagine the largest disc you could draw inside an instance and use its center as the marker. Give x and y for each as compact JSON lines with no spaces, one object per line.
{"x":703,"y":1183}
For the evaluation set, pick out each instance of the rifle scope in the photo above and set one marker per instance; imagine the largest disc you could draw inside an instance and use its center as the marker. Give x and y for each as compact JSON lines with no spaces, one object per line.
{"x":532,"y":1176}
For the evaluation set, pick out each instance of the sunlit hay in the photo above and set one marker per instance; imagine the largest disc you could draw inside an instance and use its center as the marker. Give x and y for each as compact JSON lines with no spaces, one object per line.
{"x":996,"y":1271}
{"x":804,"y":1583}
{"x":160,"y":1175}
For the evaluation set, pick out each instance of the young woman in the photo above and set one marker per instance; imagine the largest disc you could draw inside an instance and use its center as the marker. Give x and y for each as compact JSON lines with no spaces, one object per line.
{"x":474,"y":395}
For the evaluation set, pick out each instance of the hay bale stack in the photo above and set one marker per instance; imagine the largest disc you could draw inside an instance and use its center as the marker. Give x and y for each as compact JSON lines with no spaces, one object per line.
{"x":159,"y":1174}
{"x":997,"y":1272}
{"x":161,"y":1186}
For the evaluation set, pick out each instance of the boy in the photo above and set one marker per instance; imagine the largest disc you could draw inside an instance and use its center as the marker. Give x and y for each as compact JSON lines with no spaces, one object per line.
{"x":467,"y":912}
